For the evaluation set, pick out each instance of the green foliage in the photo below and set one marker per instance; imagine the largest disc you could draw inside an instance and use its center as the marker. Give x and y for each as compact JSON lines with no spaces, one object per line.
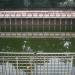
{"x":46,"y":45}
{"x":30,"y":3}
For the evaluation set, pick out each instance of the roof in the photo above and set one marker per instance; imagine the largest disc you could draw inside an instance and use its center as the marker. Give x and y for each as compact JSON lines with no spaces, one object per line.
{"x":37,"y":14}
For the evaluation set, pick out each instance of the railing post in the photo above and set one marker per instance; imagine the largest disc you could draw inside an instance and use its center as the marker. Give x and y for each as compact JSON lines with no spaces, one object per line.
{"x":71,"y":64}
{"x":16,"y":65}
{"x":3,"y":66}
{"x":44,"y":65}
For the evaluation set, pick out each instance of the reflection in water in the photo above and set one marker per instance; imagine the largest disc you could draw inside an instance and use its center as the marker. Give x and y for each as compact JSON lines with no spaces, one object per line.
{"x":54,"y":67}
{"x":9,"y":69}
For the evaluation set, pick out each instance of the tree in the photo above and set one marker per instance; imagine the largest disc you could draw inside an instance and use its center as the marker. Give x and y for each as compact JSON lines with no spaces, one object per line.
{"x":3,"y":3}
{"x":27,"y":3}
{"x":45,"y":3}
{"x":68,"y":3}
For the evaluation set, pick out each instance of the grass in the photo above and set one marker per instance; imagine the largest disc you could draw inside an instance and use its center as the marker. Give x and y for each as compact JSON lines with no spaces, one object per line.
{"x":46,"y":45}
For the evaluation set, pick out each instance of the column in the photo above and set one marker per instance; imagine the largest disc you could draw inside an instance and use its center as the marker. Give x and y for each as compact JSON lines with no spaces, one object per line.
{"x":43,"y":24}
{"x":71,"y":25}
{"x":38,"y":24}
{"x":32,"y":24}
{"x":49,"y":24}
{"x":10,"y":24}
{"x":60,"y":24}
{"x":4,"y":24}
{"x":21,"y":24}
{"x":0,"y":25}
{"x":65,"y":24}
{"x":54,"y":24}
{"x":15,"y":25}
{"x":27,"y":25}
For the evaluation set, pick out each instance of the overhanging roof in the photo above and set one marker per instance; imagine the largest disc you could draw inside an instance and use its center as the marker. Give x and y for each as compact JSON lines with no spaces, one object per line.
{"x":37,"y":14}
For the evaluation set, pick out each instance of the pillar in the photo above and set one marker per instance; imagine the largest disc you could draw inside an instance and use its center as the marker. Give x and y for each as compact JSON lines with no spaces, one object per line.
{"x":27,"y":25}
{"x":10,"y":24}
{"x":43,"y":24}
{"x":0,"y":25}
{"x":71,"y":24}
{"x":32,"y":24}
{"x":60,"y":24}
{"x":54,"y":23}
{"x":21,"y":24}
{"x":49,"y":24}
{"x":38,"y":24}
{"x":65,"y":24}
{"x":4,"y":24}
{"x":15,"y":25}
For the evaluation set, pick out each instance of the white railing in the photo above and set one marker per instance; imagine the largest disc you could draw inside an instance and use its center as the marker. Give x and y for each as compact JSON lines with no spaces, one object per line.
{"x":21,"y":63}
{"x":37,"y":34}
{"x":37,"y":14}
